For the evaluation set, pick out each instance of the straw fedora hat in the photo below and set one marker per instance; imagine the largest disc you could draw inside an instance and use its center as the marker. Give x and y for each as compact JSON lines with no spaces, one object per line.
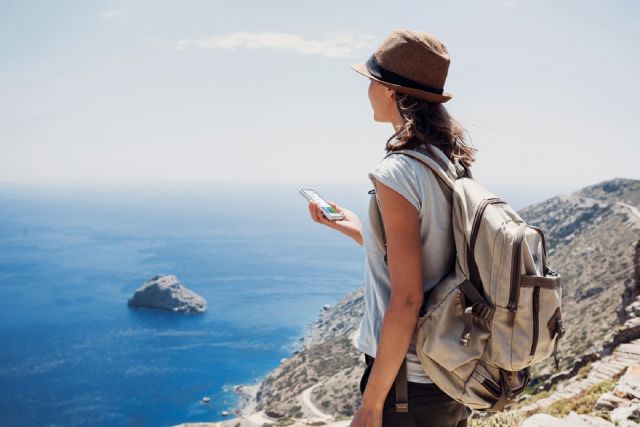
{"x":411,"y":62}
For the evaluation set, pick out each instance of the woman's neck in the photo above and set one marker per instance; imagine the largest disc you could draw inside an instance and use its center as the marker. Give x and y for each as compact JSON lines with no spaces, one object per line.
{"x":397,"y":123}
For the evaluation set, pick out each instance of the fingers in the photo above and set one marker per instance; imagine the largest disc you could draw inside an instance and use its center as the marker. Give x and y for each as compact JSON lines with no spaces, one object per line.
{"x":312,"y":211}
{"x":316,"y":214}
{"x":336,"y":207}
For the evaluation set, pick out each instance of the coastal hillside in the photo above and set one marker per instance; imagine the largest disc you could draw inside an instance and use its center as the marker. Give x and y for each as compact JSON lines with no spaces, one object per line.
{"x":593,"y":241}
{"x":592,"y":238}
{"x":328,"y":362}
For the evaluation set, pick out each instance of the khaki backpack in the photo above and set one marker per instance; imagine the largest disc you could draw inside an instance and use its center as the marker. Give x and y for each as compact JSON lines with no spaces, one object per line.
{"x":497,"y":312}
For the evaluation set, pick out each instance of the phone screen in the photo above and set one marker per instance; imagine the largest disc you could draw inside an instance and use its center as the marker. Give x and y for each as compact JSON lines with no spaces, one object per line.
{"x":322,"y":203}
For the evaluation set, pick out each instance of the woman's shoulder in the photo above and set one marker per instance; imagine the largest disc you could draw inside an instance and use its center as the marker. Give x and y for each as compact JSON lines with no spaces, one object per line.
{"x":398,"y":161}
{"x":404,"y":164}
{"x":393,"y":166}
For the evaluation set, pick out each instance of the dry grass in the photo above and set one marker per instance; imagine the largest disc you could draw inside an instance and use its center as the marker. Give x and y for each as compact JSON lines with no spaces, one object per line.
{"x":500,"y":419}
{"x":584,"y":403}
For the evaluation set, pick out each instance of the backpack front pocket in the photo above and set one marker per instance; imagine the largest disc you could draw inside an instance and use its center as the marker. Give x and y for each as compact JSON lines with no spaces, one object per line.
{"x":440,"y":331}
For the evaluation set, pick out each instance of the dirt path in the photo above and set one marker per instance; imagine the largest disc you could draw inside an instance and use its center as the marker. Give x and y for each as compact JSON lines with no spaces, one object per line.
{"x":608,"y":367}
{"x":306,"y":398}
{"x":258,"y":419}
{"x":634,"y":211}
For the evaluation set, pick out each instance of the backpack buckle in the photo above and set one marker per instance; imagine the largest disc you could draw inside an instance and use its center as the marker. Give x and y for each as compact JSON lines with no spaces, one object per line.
{"x":561,"y":329}
{"x":468,"y":325}
{"x":402,"y":407}
{"x":478,"y":309}
{"x":464,"y":339}
{"x":484,"y":311}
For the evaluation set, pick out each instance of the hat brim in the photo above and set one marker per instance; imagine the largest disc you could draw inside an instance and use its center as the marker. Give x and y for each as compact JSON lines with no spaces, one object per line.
{"x":431,"y":97}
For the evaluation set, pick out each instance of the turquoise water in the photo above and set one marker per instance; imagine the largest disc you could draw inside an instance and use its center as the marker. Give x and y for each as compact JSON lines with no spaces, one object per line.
{"x":73,"y":352}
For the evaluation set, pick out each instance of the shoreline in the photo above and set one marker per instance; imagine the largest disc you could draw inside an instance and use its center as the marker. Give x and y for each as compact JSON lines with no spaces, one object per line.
{"x":247,"y":403}
{"x":244,"y":412}
{"x":247,"y":393}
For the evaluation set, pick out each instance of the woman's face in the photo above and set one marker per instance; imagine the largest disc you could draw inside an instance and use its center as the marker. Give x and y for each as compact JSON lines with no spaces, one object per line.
{"x":383,"y":102}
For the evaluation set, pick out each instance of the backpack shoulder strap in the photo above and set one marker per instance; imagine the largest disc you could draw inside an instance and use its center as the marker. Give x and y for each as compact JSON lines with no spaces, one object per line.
{"x":438,"y":162}
{"x":445,"y":171}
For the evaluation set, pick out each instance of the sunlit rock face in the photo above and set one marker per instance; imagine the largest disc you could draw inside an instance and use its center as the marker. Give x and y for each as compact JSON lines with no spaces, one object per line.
{"x":167,"y":293}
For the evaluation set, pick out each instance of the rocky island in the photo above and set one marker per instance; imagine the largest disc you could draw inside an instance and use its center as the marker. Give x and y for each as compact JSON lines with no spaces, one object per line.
{"x":166,"y":292}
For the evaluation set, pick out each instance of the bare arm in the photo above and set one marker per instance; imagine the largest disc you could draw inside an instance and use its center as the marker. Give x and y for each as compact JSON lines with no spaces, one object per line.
{"x":404,"y":255}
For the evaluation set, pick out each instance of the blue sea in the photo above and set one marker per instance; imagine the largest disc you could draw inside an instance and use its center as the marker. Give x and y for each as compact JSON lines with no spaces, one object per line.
{"x":74,"y":354}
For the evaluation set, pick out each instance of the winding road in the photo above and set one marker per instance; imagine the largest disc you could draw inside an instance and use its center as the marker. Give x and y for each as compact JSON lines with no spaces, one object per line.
{"x":306,"y":398}
{"x":633,"y":210}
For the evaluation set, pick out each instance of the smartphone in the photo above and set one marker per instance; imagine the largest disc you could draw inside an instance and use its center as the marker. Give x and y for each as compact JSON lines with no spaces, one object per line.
{"x":327,"y":210}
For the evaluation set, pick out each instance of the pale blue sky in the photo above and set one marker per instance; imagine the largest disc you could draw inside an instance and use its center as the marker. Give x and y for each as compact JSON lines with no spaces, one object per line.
{"x":262,"y":91}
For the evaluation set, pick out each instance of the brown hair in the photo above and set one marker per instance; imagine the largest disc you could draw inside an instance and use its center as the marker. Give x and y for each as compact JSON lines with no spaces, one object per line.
{"x":430,"y":123}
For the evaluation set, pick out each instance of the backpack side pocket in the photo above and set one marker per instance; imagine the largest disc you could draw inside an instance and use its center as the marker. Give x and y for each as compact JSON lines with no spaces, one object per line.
{"x":546,"y":309}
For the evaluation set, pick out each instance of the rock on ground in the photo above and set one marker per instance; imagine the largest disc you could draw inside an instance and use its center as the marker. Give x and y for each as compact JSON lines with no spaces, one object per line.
{"x":571,"y":420}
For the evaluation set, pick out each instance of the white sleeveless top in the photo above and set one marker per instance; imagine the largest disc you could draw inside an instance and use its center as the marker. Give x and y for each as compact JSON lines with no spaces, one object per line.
{"x":417,"y":183}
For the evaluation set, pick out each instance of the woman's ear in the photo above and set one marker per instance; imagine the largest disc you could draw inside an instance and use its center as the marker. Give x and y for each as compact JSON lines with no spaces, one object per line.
{"x":391,"y":93}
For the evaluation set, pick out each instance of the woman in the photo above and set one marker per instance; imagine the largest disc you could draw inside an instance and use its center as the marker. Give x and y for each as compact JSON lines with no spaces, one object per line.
{"x":407,"y":74}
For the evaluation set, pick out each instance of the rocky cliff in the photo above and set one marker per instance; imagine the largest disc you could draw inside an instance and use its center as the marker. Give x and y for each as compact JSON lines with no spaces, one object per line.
{"x":593,"y":241}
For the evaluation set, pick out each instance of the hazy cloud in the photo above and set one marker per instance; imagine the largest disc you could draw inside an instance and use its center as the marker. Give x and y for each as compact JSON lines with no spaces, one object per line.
{"x":504,"y":3}
{"x":111,"y":13}
{"x":333,"y":45}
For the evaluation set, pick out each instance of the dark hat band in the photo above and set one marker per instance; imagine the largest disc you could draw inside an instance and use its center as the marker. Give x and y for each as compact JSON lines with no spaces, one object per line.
{"x":390,"y":77}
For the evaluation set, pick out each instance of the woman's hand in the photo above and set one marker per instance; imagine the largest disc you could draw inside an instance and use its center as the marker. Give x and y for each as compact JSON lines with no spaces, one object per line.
{"x":349,"y":226}
{"x":367,"y":417}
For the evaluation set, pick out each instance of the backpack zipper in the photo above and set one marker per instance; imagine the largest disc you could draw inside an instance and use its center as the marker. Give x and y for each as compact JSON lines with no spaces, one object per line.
{"x":475,"y":228}
{"x":474,"y":274}
{"x":536,"y":293}
{"x":544,"y":247}
{"x":536,"y":309}
{"x":514,"y":291}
